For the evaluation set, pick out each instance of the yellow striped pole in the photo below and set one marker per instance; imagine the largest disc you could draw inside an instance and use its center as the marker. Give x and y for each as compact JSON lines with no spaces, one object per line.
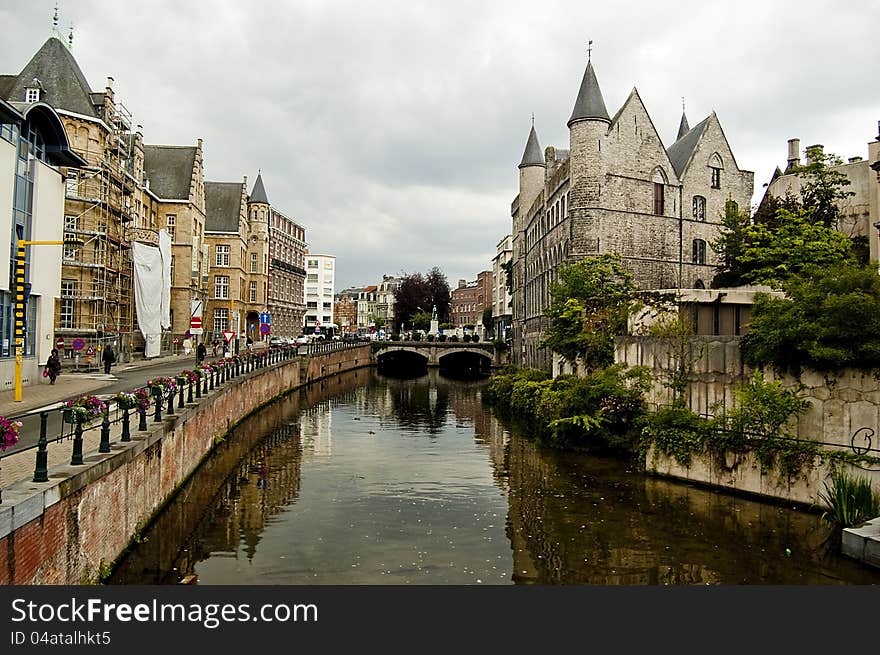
{"x":19,"y":307}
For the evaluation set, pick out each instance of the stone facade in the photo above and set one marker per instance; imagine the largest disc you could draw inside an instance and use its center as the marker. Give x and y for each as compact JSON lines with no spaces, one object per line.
{"x":617,"y":189}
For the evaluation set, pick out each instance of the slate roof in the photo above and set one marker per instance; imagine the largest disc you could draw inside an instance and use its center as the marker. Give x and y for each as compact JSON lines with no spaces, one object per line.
{"x":532,"y":156}
{"x":64,"y":85}
{"x":169,"y":170}
{"x":222,"y":206}
{"x":589,"y":103}
{"x":259,"y":192}
{"x":681,"y":151}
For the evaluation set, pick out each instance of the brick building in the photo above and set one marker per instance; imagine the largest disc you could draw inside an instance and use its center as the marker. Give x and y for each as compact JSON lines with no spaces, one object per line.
{"x":617,"y":188}
{"x":470,"y":300}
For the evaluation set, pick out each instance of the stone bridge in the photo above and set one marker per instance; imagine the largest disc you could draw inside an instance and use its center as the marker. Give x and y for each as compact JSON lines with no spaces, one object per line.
{"x":434,"y":351}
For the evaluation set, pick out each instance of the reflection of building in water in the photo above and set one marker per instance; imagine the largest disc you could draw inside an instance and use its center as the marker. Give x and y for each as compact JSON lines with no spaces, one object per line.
{"x":315,"y":430}
{"x":489,"y":432}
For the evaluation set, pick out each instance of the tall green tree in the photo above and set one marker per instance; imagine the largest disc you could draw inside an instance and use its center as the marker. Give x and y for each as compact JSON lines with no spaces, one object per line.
{"x":419,"y":293}
{"x":590,"y":304}
{"x":786,"y":234}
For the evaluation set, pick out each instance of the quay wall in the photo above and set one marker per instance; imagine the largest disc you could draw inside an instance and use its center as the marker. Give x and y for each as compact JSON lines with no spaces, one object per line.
{"x":71,"y":529}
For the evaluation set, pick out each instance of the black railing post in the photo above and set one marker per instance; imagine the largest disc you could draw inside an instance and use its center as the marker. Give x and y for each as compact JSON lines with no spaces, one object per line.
{"x":126,"y":425}
{"x":213,"y":376}
{"x":157,"y":401}
{"x":189,"y":392}
{"x":77,"y":458}
{"x":180,"y":383}
{"x":142,"y":419}
{"x":41,"y":470}
{"x":170,"y":403}
{"x":105,"y":433}
{"x":199,"y":384}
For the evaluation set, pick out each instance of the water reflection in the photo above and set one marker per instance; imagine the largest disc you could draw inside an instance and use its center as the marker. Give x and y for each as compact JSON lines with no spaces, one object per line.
{"x":371,"y":480}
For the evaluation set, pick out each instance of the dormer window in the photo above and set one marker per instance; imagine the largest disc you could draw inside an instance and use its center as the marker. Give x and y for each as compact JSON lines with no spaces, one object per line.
{"x":32,"y":91}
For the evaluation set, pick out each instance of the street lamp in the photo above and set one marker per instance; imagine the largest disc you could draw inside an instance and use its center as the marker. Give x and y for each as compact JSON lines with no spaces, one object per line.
{"x":20,"y":302}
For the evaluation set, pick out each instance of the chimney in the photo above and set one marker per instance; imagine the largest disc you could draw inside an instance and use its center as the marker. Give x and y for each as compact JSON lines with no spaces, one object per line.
{"x":815,"y":152}
{"x":462,"y":284}
{"x":794,"y":153}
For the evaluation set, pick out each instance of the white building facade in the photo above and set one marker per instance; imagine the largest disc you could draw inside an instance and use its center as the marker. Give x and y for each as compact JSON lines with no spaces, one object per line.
{"x":320,"y":282}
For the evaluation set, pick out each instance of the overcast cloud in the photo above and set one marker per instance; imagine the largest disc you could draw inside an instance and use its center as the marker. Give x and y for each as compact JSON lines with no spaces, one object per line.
{"x":392,"y":130}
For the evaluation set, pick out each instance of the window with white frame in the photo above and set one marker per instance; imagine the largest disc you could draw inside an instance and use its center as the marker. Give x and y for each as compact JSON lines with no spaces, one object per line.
{"x":32,"y":95}
{"x":221,"y":256}
{"x":221,"y":319}
{"x":221,"y":286}
{"x":70,"y":223}
{"x":253,"y":292}
{"x":68,"y":292}
{"x":254,"y":262}
{"x":170,"y":224}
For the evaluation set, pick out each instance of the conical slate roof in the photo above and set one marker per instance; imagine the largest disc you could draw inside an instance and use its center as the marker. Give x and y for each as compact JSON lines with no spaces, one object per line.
{"x":63,"y":82}
{"x":532,"y":155}
{"x":683,"y":127}
{"x":589,"y":104}
{"x":259,"y":192}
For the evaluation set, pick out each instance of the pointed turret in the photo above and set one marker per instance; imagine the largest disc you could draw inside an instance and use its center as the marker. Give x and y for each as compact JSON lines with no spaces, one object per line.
{"x":683,"y":127}
{"x":62,"y":81}
{"x":532,"y":156}
{"x":259,"y":192}
{"x":590,"y":105}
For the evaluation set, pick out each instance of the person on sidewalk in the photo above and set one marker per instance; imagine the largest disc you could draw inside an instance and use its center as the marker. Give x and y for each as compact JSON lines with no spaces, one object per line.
{"x":201,"y":353}
{"x":108,"y":357}
{"x":53,"y":366}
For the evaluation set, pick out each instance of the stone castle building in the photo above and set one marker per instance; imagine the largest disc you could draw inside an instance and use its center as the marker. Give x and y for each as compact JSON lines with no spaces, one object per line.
{"x":617,"y":189}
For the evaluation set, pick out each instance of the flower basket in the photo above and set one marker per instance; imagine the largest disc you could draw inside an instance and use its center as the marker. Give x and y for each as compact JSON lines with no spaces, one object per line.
{"x":191,"y":376}
{"x":162,"y":385}
{"x":126,"y":400}
{"x":8,"y":433}
{"x":82,"y":409}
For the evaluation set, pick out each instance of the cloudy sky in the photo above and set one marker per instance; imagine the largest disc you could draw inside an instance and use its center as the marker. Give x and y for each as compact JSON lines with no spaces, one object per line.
{"x":391,"y":130}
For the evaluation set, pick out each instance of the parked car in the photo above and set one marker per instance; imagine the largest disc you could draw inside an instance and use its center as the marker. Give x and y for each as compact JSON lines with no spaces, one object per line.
{"x":302,"y":339}
{"x":277,"y":341}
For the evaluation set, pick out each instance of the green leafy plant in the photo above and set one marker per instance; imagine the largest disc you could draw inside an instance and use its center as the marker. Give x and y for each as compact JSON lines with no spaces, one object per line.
{"x":849,"y":500}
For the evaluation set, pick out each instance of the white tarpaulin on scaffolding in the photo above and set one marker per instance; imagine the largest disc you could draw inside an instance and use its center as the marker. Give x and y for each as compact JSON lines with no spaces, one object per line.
{"x":152,"y":290}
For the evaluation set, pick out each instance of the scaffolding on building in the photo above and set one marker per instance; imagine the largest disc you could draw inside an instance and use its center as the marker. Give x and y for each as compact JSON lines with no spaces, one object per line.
{"x":96,"y":303}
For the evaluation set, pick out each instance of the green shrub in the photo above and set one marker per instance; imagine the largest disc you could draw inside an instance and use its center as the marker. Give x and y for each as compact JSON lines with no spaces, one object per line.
{"x":442,"y":337}
{"x":417,"y":336}
{"x":676,"y":432}
{"x":849,"y":500}
{"x":431,"y":337}
{"x":454,"y":337}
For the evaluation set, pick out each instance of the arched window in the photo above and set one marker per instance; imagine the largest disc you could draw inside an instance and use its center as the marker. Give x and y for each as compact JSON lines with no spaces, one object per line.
{"x":699,"y":284}
{"x":699,"y":208}
{"x":659,"y":178}
{"x":699,"y":251}
{"x":716,"y":165}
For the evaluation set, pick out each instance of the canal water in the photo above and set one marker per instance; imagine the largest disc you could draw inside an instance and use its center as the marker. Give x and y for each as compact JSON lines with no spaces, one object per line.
{"x":364,"y":479}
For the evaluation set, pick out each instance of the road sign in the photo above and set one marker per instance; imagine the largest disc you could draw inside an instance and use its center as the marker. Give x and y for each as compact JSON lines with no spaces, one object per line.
{"x":264,"y":328}
{"x":90,"y":351}
{"x":78,"y":344}
{"x":265,"y":317}
{"x":195,"y":322}
{"x":228,"y":335}
{"x":59,"y":342}
{"x":176,"y":341}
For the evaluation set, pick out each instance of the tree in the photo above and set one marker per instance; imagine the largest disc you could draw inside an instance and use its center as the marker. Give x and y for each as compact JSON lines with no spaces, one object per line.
{"x":418,"y":293}
{"x":829,"y":319}
{"x":420,"y":321}
{"x":488,"y":323}
{"x":823,"y":187}
{"x":590,"y":304}
{"x":786,"y":234}
{"x":441,"y":297}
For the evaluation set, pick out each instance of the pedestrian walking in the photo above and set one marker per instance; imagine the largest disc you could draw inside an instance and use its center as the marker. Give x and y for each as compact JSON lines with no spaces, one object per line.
{"x":250,"y":344}
{"x":53,"y":366}
{"x":213,"y":349}
{"x":187,"y":345}
{"x":201,"y":353}
{"x":108,"y":357}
